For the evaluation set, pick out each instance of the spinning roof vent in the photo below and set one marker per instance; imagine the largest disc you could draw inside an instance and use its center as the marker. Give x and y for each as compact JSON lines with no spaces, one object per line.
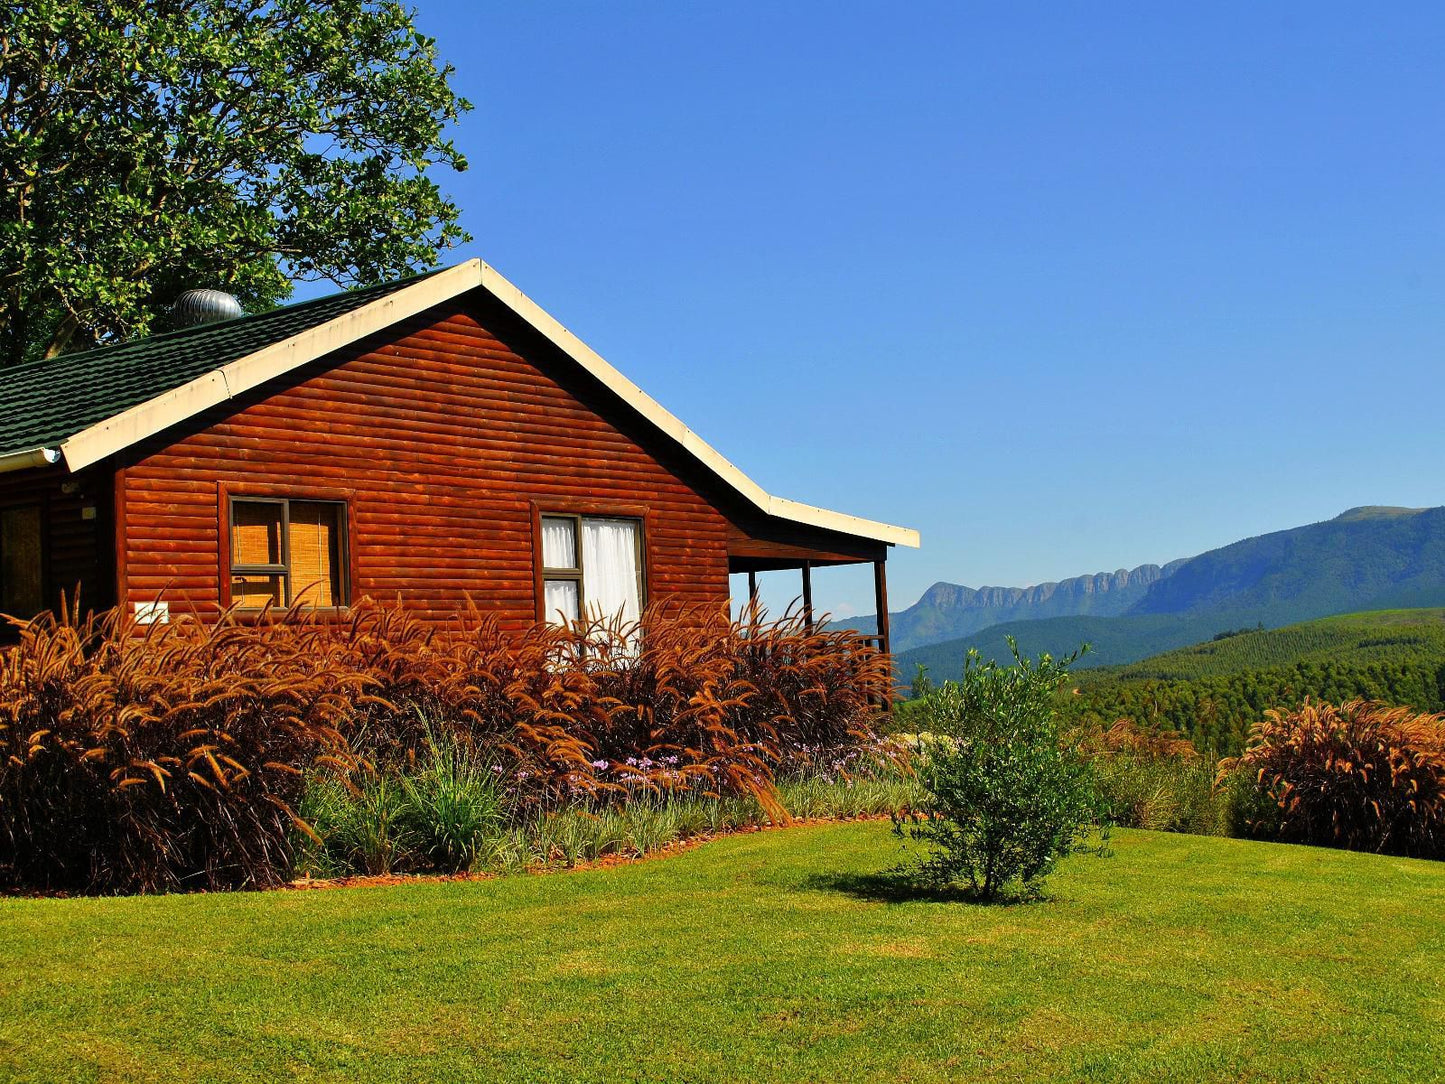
{"x":204,"y":307}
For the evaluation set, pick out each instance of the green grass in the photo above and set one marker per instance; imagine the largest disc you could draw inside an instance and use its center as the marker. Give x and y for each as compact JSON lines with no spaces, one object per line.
{"x":762,"y":957}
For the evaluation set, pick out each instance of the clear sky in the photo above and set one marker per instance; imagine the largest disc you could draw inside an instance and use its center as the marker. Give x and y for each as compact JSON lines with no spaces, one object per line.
{"x":1066,"y":287}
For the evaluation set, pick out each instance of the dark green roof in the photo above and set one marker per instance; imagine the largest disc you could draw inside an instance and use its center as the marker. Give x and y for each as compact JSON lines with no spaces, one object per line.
{"x":44,"y":402}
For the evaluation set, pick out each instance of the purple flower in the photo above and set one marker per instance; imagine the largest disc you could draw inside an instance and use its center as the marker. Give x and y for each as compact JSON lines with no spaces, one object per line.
{"x":599,"y":764}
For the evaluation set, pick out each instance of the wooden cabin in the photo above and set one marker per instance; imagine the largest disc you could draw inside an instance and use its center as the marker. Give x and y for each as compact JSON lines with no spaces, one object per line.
{"x":428,"y":440}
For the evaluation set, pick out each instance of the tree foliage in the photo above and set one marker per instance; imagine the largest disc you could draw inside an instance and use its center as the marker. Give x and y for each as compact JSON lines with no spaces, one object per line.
{"x":148,"y":146}
{"x":1217,"y":691}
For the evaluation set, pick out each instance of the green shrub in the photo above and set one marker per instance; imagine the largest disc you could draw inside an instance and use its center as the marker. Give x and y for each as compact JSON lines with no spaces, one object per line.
{"x":1360,"y":775}
{"x":435,"y":813}
{"x":1006,"y":797}
{"x":359,"y":824}
{"x":451,"y":804}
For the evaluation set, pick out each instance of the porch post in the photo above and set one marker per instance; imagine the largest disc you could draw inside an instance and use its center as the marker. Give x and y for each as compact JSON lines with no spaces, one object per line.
{"x":752,"y":610}
{"x":880,"y":598}
{"x":808,"y":594}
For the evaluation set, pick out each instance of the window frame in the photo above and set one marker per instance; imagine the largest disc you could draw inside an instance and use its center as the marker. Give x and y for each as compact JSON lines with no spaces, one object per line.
{"x":572,"y":575}
{"x":284,"y":497}
{"x":577,"y":511}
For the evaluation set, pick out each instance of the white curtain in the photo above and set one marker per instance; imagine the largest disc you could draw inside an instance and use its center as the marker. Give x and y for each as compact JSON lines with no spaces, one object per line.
{"x":609,"y":564}
{"x":559,"y":544}
{"x":560,"y":599}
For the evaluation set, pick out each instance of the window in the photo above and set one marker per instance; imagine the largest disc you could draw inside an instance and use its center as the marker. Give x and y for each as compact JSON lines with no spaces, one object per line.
{"x":591,"y":565}
{"x":285,"y":551}
{"x":22,"y":591}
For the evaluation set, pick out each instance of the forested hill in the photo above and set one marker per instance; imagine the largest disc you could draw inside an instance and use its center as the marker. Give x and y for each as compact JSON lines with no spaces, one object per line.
{"x":1360,"y":639}
{"x":1215,"y":692}
{"x":1365,"y":559}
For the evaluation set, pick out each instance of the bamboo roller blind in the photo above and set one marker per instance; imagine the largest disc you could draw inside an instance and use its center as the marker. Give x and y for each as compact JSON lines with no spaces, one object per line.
{"x":315,"y":560}
{"x":308,"y":547}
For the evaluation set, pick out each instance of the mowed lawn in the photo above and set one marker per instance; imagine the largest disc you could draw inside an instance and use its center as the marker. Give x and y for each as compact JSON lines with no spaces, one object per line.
{"x":762,"y":957}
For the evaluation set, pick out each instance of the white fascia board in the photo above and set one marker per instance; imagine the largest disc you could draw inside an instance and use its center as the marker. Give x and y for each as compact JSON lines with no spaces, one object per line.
{"x":227,"y":381}
{"x":658,"y":415}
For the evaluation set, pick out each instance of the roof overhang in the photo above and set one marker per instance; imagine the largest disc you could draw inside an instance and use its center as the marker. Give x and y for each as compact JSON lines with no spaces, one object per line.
{"x":228,"y":381}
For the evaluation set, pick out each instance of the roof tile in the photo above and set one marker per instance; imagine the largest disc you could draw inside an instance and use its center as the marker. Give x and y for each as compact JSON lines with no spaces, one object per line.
{"x":42,"y":403}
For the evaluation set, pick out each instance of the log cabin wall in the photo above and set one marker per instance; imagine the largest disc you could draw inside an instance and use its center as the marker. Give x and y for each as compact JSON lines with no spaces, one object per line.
{"x":75,"y":526}
{"x":446,"y":436}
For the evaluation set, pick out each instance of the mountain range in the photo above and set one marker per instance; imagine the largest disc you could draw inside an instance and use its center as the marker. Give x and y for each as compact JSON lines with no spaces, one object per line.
{"x":1367,"y":558}
{"x":948,"y":610}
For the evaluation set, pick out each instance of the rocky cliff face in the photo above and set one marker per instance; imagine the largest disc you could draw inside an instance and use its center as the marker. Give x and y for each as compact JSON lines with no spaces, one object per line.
{"x":952,"y":595}
{"x":949,"y":610}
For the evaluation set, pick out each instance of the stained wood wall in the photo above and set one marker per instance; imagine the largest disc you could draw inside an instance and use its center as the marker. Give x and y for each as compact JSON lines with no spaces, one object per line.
{"x":446,"y":437}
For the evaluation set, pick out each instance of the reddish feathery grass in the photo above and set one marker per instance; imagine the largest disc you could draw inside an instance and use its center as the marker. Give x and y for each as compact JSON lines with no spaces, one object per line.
{"x":173,"y":756}
{"x":169,"y":757}
{"x":1126,"y":738}
{"x":1360,"y":775}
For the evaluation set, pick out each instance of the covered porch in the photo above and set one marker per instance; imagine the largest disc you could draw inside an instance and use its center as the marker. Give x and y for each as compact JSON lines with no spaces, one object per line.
{"x":784,"y":546}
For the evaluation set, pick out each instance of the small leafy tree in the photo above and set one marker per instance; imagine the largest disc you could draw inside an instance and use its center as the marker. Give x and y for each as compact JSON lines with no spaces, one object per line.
{"x":1007,"y":798}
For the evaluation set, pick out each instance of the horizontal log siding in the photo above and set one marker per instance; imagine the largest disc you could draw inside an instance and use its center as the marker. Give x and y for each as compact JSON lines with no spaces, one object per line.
{"x":443,"y":438}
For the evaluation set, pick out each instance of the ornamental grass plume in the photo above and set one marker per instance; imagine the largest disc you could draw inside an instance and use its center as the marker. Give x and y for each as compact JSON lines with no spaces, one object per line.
{"x":171,"y":756}
{"x":1359,"y":775}
{"x":149,"y":758}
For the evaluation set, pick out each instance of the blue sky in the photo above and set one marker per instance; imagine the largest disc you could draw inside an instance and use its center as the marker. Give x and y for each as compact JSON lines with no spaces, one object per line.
{"x":1065,"y":287}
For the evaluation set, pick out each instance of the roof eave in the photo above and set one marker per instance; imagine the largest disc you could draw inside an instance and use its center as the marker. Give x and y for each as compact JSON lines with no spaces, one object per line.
{"x":843,"y":523}
{"x":227,"y":381}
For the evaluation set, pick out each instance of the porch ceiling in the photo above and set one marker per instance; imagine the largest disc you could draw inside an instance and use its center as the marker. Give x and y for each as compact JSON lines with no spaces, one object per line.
{"x":743,"y":563}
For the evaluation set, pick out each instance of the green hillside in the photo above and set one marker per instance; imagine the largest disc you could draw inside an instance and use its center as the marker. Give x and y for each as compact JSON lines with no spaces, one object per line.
{"x":1114,"y":640}
{"x":1371,"y":558}
{"x":1214,"y":692}
{"x":1363,"y":559}
{"x":1381,"y":636}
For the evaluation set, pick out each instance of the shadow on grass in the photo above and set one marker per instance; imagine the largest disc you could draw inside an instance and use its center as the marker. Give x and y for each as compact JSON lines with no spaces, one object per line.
{"x":901,"y":886}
